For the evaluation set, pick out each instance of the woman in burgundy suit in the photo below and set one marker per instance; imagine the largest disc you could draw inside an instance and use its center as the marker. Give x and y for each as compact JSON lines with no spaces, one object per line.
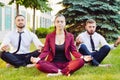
{"x":56,"y":56}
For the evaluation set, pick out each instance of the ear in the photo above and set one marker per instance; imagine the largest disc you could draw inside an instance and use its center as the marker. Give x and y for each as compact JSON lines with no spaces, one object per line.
{"x":85,"y":27}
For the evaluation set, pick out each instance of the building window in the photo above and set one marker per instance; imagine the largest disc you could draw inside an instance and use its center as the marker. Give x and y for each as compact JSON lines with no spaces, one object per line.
{"x":8,"y":12}
{"x":0,"y":18}
{"x":23,"y":13}
{"x":41,"y":22}
{"x":28,"y":19}
{"x":14,"y":17}
{"x":37,"y":22}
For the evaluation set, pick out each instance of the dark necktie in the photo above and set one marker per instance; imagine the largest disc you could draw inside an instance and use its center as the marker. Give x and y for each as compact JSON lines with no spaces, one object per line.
{"x":92,"y":43}
{"x":18,"y":42}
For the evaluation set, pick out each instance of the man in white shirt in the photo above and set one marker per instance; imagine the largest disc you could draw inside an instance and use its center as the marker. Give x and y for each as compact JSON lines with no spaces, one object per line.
{"x":94,"y":44}
{"x":19,"y":42}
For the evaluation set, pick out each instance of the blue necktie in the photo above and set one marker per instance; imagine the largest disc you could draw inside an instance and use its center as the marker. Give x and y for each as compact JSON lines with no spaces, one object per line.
{"x":92,"y":43}
{"x":18,"y":42}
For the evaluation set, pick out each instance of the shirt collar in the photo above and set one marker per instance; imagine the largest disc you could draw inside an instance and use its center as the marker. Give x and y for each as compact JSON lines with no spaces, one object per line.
{"x":23,"y":30}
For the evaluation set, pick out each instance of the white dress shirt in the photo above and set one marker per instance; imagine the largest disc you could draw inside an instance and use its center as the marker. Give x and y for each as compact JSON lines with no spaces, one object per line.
{"x":98,"y":39}
{"x":27,"y":38}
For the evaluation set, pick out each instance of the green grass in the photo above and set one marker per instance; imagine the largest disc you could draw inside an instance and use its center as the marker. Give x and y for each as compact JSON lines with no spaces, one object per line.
{"x":85,"y":73}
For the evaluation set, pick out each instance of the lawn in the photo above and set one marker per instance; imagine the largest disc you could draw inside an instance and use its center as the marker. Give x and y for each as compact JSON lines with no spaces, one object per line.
{"x":85,"y":73}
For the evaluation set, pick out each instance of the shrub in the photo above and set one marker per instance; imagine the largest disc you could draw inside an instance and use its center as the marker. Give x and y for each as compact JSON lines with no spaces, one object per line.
{"x":42,"y":32}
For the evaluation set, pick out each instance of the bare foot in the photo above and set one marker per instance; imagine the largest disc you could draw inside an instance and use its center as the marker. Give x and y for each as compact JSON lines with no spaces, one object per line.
{"x":117,"y":42}
{"x":55,"y":74}
{"x":104,"y":65}
{"x":30,"y":65}
{"x":8,"y":65}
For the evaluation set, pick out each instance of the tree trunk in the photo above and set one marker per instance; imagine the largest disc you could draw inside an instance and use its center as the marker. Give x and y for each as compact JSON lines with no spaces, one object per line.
{"x":17,"y":9}
{"x":34,"y":20}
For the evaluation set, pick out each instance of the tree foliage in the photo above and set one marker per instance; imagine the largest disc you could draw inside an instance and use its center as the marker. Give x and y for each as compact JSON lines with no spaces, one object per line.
{"x":17,"y":2}
{"x":41,"y":5}
{"x":105,"y":12}
{"x":1,"y":4}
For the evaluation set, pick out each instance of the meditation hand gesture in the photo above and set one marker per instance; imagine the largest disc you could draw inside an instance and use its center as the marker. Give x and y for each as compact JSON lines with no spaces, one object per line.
{"x":5,"y":48}
{"x":117,"y":42}
{"x":34,"y":60}
{"x":87,"y":58}
{"x":40,"y":49}
{"x":78,"y":41}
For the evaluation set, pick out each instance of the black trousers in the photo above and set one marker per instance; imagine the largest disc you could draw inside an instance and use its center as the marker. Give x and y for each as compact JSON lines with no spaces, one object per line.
{"x":18,"y":60}
{"x":98,"y":56}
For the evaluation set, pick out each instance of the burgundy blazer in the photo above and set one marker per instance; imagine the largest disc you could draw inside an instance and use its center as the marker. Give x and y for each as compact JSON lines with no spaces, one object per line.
{"x":49,"y":48}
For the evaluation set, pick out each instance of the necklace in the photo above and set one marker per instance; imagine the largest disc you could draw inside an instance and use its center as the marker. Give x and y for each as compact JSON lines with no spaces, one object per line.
{"x":60,"y":39}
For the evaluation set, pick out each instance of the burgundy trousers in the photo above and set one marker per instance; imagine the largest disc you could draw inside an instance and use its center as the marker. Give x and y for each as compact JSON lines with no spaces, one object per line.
{"x":65,"y":67}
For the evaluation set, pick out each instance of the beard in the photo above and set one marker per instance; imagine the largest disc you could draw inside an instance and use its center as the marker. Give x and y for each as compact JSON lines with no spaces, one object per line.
{"x":21,"y":26}
{"x":90,"y":32}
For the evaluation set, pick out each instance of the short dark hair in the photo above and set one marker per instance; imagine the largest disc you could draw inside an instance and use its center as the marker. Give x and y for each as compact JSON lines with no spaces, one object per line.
{"x":19,"y":15}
